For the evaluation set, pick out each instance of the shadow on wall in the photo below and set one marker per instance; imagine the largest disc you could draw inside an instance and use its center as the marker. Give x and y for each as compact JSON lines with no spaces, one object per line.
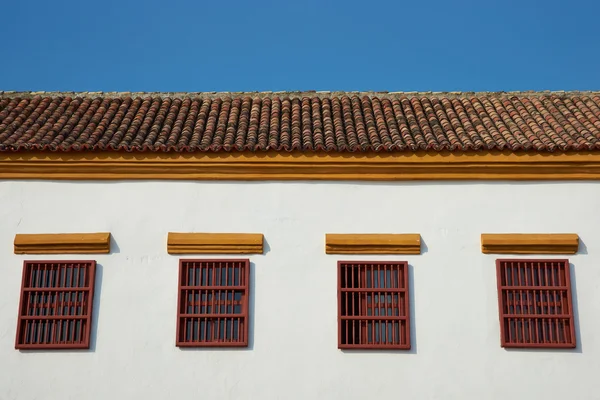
{"x":579,"y":347}
{"x":412,"y":319}
{"x":251,"y":308}
{"x":424,"y":249}
{"x":266,"y":247}
{"x":114,"y":247}
{"x":93,"y":327}
{"x":96,"y":309}
{"x":582,"y":247}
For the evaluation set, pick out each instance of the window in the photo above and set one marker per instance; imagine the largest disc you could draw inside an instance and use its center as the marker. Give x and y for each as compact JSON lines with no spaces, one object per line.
{"x":373,"y":311}
{"x":534,"y":298}
{"x":55,"y":310}
{"x":213,"y":303}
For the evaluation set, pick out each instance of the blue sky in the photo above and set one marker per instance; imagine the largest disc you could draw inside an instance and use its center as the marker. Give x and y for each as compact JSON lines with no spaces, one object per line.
{"x":169,"y":45}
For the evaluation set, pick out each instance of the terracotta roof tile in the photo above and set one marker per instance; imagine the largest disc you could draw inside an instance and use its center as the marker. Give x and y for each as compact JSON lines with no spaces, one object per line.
{"x":309,"y":121}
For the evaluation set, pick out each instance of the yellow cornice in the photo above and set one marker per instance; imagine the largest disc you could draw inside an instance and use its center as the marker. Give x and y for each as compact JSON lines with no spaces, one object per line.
{"x":270,"y":165}
{"x":529,"y":243}
{"x":62,"y":243}
{"x":214,"y":243}
{"x":372,"y":243}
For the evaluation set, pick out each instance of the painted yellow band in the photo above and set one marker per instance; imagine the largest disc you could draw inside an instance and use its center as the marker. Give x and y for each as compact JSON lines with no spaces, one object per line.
{"x":302,"y":166}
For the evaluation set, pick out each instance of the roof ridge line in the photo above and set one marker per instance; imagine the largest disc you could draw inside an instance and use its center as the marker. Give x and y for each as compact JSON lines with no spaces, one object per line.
{"x":311,"y":93}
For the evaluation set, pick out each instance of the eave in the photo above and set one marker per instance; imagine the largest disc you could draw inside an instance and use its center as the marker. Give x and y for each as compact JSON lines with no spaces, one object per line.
{"x":301,"y":166}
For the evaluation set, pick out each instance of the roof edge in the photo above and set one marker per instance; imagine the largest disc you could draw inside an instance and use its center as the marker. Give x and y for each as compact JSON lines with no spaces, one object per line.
{"x":296,"y":94}
{"x":491,"y":166}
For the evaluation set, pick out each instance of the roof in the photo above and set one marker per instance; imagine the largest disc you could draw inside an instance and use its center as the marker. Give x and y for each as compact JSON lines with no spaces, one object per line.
{"x":336,"y":122}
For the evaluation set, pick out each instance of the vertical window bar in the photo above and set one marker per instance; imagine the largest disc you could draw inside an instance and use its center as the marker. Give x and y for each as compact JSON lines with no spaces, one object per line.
{"x":520,"y":269}
{"x":352,"y":295}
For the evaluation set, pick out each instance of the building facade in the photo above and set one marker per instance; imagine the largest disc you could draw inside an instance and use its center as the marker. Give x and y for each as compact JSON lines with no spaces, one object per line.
{"x":316,"y":192}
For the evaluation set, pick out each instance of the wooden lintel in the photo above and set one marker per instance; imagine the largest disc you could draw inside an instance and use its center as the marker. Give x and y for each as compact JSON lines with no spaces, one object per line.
{"x":373,"y":243}
{"x":214,"y":243}
{"x":529,"y":243}
{"x":62,"y":243}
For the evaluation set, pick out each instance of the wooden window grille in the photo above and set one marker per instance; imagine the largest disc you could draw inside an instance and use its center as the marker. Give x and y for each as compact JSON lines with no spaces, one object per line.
{"x":534,"y":298}
{"x":213,"y":303}
{"x":55,"y":310}
{"x":373,"y":309}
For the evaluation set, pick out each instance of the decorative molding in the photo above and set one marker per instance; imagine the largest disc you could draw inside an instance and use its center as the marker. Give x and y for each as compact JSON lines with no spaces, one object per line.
{"x":62,"y":243}
{"x":529,"y":243}
{"x":214,"y":243}
{"x":297,"y":165}
{"x":373,"y":243}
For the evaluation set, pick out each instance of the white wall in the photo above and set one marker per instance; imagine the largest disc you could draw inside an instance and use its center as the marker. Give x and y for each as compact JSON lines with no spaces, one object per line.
{"x":293,"y":347}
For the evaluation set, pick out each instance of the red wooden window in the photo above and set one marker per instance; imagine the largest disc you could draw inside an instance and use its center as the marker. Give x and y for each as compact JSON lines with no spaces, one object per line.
{"x":213,"y":303}
{"x":55,"y":311}
{"x":373,"y":310}
{"x":534,"y":298}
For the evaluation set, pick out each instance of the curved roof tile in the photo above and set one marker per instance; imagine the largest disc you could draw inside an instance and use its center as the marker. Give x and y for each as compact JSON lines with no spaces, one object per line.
{"x":300,"y":121}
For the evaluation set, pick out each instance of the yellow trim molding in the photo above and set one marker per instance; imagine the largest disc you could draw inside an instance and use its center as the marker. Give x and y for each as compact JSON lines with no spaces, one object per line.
{"x":271,"y":165}
{"x":373,"y":243}
{"x":62,"y":243}
{"x":529,"y":243}
{"x":214,"y":243}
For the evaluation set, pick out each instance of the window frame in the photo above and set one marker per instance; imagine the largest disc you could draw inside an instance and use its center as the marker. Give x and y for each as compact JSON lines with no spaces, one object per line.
{"x":244,"y":315}
{"x":87,"y":317}
{"x":568,"y":293}
{"x":405,"y":276}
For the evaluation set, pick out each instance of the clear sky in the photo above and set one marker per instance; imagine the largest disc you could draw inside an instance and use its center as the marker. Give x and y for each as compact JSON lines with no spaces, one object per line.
{"x":170,"y":45}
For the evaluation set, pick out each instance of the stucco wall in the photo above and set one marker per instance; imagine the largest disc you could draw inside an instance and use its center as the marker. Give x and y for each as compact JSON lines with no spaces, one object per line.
{"x":293,"y":351}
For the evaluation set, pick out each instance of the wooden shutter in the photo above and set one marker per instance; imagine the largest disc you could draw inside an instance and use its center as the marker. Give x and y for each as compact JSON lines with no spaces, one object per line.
{"x":534,"y":298}
{"x":55,"y":310}
{"x":213,"y":303}
{"x":373,"y":305}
